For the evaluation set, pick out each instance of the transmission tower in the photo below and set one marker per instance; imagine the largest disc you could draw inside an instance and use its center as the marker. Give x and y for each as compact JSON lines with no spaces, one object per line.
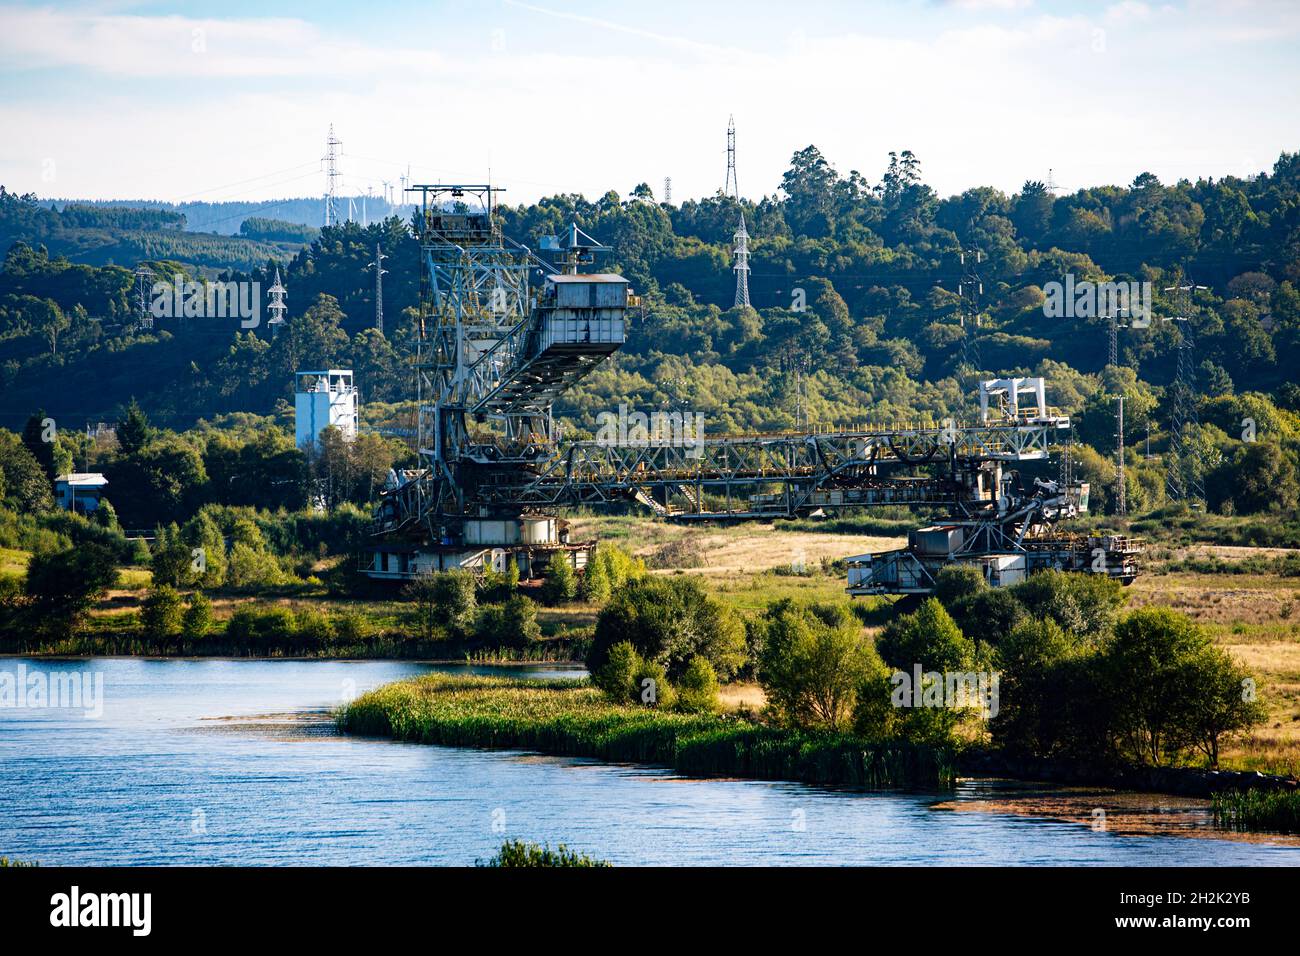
{"x":143,"y":282}
{"x":742,"y":264}
{"x":1121,"y":503}
{"x":1067,"y":461}
{"x":668,"y":190}
{"x":1183,"y":479}
{"x":332,"y":176}
{"x":970,"y":288}
{"x":731,"y":187}
{"x":277,"y":308}
{"x":380,"y":272}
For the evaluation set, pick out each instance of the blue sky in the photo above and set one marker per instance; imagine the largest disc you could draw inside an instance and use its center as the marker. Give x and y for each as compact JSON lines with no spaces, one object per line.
{"x":232,"y":100}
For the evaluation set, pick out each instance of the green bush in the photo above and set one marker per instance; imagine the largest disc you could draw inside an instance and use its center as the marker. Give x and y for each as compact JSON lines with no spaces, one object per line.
{"x":517,"y":853}
{"x":1051,"y":697}
{"x":197,"y":619}
{"x":511,"y":624}
{"x":249,"y":569}
{"x":312,"y":628}
{"x":1084,"y":604}
{"x":814,"y":661}
{"x":350,"y":628}
{"x":444,"y":599}
{"x":615,"y":676}
{"x":697,"y":690}
{"x":929,"y":637}
{"x":261,"y":631}
{"x":650,"y":686}
{"x":669,"y":621}
{"x":560,"y":582}
{"x":161,"y":611}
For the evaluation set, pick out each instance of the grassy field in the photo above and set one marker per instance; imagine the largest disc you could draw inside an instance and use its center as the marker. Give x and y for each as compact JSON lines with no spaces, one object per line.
{"x":572,"y":719}
{"x":1256,"y":618}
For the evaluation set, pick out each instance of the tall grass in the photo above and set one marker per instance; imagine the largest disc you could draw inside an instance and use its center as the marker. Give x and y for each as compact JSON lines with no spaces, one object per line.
{"x":572,"y":719}
{"x":1277,"y":810}
{"x":517,"y":853}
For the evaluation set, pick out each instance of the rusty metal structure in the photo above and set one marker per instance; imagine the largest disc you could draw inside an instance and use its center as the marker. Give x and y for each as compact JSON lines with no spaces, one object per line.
{"x":496,"y":351}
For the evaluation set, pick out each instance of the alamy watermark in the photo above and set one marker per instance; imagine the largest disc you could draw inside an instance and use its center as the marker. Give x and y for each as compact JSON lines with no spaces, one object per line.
{"x":1089,"y":300}
{"x":67,"y":690}
{"x":977,"y":690}
{"x":624,"y":429}
{"x":182,"y":298}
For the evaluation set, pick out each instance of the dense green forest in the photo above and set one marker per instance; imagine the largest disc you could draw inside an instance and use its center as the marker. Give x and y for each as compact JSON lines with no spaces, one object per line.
{"x":878,"y":265}
{"x":112,"y":234}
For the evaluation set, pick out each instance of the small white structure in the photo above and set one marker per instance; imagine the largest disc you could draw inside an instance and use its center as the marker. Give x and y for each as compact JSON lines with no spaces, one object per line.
{"x":1012,"y":398}
{"x":322,"y":399}
{"x":79,"y":491}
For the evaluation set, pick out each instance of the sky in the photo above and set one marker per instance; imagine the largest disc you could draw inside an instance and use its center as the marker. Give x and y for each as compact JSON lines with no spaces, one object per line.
{"x":233,"y":100}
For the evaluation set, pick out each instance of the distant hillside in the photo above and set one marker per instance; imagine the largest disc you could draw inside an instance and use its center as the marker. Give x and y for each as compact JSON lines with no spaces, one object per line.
{"x":225,"y":218}
{"x":102,"y":234}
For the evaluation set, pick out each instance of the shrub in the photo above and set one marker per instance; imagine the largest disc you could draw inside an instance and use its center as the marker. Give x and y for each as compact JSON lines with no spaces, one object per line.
{"x":444,"y":599}
{"x":669,"y":621}
{"x":1083,"y":604}
{"x":197,"y":619}
{"x":650,"y":686}
{"x":512,"y":624}
{"x":350,"y":628}
{"x":929,"y":637}
{"x":261,"y":631}
{"x":161,"y":611}
{"x":312,"y":628}
{"x":517,"y":853}
{"x":987,"y":615}
{"x":958,"y":581}
{"x":249,"y":569}
{"x":697,"y":690}
{"x":614,"y":678}
{"x":814,"y":661}
{"x":519,"y":620}
{"x":595,"y":581}
{"x":561,"y":581}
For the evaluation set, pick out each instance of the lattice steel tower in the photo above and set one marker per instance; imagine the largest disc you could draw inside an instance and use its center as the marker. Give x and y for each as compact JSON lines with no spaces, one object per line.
{"x":380,"y":272}
{"x":1183,"y":478}
{"x":332,"y":176}
{"x":731,"y":187}
{"x":277,"y":308}
{"x":970,"y":288}
{"x":742,"y":264}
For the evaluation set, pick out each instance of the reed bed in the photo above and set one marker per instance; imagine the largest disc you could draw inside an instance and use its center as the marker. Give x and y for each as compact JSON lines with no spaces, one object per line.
{"x":572,"y":719}
{"x":1276,"y":810}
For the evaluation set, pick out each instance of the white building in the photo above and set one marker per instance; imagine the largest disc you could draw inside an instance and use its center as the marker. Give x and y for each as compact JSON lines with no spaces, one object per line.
{"x":79,"y":491}
{"x":322,"y":399}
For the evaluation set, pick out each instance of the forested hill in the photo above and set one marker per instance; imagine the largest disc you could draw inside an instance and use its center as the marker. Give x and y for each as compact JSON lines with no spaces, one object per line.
{"x":878,"y":263}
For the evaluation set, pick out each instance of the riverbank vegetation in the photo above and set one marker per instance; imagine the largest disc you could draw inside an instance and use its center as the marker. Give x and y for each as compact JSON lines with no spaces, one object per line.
{"x":1277,"y":810}
{"x":515,"y":854}
{"x":576,"y":719}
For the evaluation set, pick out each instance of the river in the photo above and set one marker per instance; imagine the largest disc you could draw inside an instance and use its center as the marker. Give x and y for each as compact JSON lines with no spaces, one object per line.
{"x":229,"y":762}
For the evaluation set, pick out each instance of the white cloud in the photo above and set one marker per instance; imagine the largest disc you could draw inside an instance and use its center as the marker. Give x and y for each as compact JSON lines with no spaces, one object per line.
{"x":987,"y":104}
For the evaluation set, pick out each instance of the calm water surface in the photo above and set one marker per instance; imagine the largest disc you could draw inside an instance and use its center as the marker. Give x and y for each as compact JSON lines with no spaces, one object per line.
{"x":165,"y":776}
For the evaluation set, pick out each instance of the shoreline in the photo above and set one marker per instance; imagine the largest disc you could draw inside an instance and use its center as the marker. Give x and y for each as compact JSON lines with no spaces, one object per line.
{"x":9,"y":655}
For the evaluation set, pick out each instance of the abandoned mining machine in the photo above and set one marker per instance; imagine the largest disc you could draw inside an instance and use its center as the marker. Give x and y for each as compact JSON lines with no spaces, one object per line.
{"x":495,"y":351}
